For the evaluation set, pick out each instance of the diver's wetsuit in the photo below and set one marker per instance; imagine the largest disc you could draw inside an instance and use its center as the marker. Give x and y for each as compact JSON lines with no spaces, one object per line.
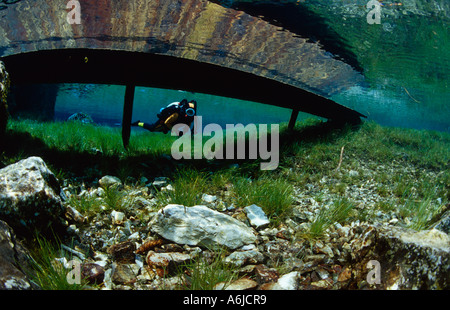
{"x":174,"y":113}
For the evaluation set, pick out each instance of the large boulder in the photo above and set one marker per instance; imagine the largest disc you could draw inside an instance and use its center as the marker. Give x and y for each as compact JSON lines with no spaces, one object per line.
{"x":199,"y":225}
{"x":13,"y":261}
{"x":403,"y":258}
{"x":29,"y":197}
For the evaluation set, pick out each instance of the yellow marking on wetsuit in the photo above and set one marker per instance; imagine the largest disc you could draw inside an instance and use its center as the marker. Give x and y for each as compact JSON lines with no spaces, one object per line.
{"x":169,"y":122}
{"x":140,"y":124}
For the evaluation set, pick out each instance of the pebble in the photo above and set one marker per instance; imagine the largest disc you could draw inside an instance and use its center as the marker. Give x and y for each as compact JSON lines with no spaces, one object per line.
{"x":238,"y":258}
{"x":256,"y":216}
{"x":238,"y":285}
{"x":124,"y":273}
{"x":108,"y":181}
{"x":93,"y":273}
{"x":166,"y":262}
{"x":208,"y":198}
{"x":123,"y":252}
{"x":117,"y":217}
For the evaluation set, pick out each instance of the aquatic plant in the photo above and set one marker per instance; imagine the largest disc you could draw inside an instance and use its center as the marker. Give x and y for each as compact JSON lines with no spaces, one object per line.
{"x":47,"y":272}
{"x":188,"y":187}
{"x":86,"y":204}
{"x":338,"y":212}
{"x":205,"y":274}
{"x":273,"y":195}
{"x":419,"y":215}
{"x":115,"y":199}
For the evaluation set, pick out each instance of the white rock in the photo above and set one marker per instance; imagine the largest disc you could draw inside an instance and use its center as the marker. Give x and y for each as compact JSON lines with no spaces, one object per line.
{"x":117,"y":217}
{"x":29,"y":196}
{"x":257,"y":217}
{"x":209,"y":198}
{"x":288,"y":281}
{"x":168,"y":188}
{"x":134,"y":237}
{"x":199,"y":225}
{"x":238,"y":285}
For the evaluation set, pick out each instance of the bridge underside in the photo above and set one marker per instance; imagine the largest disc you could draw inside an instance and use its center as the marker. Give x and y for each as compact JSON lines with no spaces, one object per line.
{"x":192,"y":45}
{"x":161,"y":71}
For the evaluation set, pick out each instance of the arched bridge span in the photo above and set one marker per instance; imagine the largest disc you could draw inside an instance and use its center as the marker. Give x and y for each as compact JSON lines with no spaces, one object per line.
{"x":194,"y":45}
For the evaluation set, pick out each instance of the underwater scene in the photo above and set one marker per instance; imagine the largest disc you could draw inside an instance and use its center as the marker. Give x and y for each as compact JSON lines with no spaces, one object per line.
{"x":252,"y":145}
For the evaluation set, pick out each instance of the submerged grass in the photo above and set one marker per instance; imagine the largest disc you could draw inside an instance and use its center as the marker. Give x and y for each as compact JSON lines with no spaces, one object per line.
{"x":205,"y":274}
{"x":79,"y":137}
{"x":338,"y":212}
{"x":188,"y":186}
{"x":273,"y":195}
{"x":48,"y":273}
{"x":422,"y":213}
{"x":310,"y":152}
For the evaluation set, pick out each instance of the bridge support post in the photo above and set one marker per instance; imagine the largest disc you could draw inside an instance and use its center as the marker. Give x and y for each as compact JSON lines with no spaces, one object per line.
{"x":127,"y":114}
{"x":293,"y":119}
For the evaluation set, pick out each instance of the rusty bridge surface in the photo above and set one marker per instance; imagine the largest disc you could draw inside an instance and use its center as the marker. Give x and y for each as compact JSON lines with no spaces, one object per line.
{"x":193,"y":45}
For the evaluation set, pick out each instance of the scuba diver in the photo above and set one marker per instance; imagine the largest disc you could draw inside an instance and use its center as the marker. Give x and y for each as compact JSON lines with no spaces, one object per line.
{"x":175,"y":113}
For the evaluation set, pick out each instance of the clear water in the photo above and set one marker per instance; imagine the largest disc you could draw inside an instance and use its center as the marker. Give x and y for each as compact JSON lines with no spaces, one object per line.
{"x":405,"y":61}
{"x":104,"y":103}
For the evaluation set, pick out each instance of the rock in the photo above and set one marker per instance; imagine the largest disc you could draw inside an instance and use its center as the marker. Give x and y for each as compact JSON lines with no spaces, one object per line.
{"x":238,"y":285}
{"x":167,"y":262}
{"x":171,"y":247}
{"x":199,"y":225}
{"x":81,"y":117}
{"x":101,"y":259}
{"x":117,"y":217}
{"x":264,"y":274}
{"x":93,"y":273}
{"x":208,"y":198}
{"x":240,"y":258}
{"x":159,"y":183}
{"x":276,"y":250}
{"x":322,"y":284}
{"x":29,"y":197}
{"x":124,"y":273}
{"x":345,"y":275}
{"x":13,"y":259}
{"x":73,"y":215}
{"x":123,"y":252}
{"x":444,"y":223}
{"x":407,"y":259}
{"x":257,"y":217}
{"x":108,"y":181}
{"x":288,"y":281}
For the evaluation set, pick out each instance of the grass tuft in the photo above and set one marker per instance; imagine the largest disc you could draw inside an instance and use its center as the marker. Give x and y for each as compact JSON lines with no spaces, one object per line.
{"x":205,"y":274}
{"x":338,"y":212}
{"x":188,"y":187}
{"x":273,"y":195}
{"x":48,"y":273}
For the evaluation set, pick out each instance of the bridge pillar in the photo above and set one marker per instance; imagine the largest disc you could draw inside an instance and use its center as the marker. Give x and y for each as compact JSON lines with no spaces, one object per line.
{"x":127,"y":114}
{"x":293,"y":119}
